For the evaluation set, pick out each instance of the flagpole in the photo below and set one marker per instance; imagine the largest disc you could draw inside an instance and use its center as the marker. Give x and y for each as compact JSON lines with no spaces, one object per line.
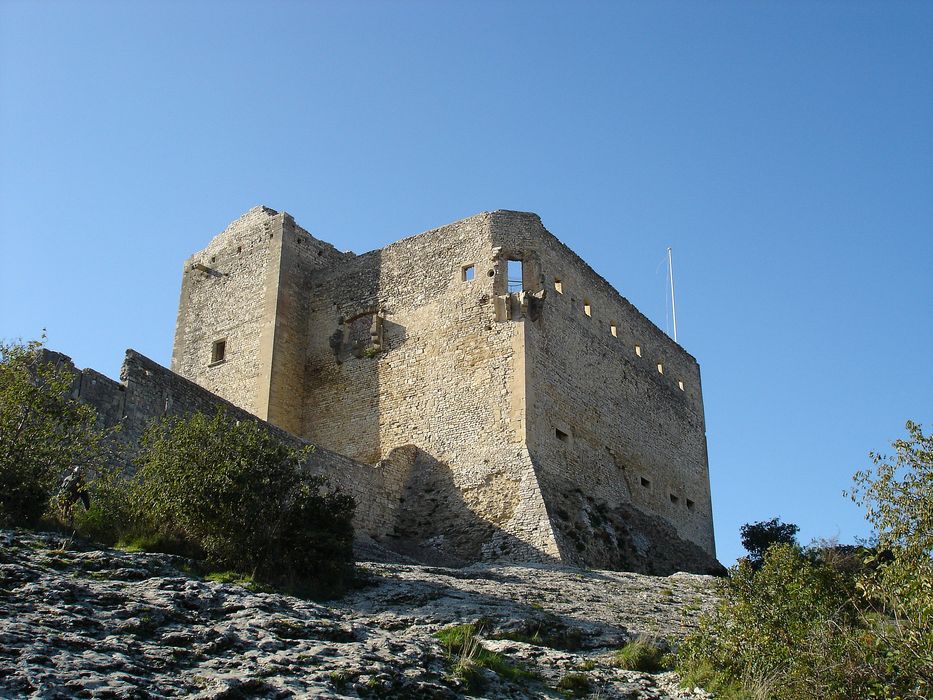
{"x":670,"y":269}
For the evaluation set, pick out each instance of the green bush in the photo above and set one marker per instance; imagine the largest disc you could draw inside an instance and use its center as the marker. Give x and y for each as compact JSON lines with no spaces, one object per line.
{"x":43,"y":433}
{"x":641,"y":655}
{"x":812,"y":625}
{"x":232,"y":493}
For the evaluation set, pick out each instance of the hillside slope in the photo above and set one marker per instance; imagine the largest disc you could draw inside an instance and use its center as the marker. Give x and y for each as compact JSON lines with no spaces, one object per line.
{"x":82,"y":622}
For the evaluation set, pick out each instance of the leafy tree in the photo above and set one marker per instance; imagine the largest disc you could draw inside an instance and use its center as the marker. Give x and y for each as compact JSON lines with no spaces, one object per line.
{"x":43,"y":432}
{"x":809,"y":625}
{"x":758,"y":537}
{"x":235,"y":494}
{"x":898,"y":496}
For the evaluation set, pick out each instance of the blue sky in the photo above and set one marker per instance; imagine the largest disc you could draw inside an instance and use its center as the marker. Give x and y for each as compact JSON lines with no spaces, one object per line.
{"x":784,"y":150}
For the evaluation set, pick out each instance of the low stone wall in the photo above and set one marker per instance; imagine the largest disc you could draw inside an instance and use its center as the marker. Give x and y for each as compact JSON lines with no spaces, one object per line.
{"x":148,"y":391}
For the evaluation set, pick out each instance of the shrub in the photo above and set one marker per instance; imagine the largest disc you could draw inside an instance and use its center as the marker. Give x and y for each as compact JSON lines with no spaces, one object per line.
{"x":640,"y":655}
{"x":815,"y":625}
{"x":232,"y":493}
{"x":43,"y":433}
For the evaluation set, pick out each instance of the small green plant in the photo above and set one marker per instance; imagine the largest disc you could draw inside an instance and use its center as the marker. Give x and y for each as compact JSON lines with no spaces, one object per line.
{"x":666,"y":592}
{"x":641,"y":655}
{"x":468,"y":657}
{"x":576,"y":685}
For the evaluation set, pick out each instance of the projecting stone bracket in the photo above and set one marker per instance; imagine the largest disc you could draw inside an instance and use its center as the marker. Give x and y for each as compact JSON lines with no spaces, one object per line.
{"x":519,"y":305}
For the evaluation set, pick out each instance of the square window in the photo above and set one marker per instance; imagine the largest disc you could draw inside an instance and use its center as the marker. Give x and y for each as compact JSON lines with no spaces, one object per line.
{"x":467,"y":273}
{"x":219,"y":350}
{"x":674,"y":499}
{"x":558,"y":286}
{"x":561,"y":435}
{"x":645,"y":482}
{"x":690,"y":504}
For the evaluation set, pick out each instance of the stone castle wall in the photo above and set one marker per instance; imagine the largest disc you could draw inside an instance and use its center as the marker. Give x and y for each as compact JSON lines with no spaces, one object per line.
{"x":403,"y":351}
{"x":606,"y":427}
{"x":147,"y":392}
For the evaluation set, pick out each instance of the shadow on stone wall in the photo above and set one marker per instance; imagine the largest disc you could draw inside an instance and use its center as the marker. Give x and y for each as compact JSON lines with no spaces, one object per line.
{"x":624,"y":538}
{"x":436,"y":526}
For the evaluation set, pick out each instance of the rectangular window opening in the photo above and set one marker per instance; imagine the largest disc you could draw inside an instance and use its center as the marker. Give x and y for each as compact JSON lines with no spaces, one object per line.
{"x":587,"y":307}
{"x":467,"y":273}
{"x":561,"y":435}
{"x":680,"y":385}
{"x":660,"y":368}
{"x":614,"y":330}
{"x":558,"y":286}
{"x":690,"y":504}
{"x":645,"y":482}
{"x":515,"y":276}
{"x":219,"y":350}
{"x":638,"y":350}
{"x":674,"y":499}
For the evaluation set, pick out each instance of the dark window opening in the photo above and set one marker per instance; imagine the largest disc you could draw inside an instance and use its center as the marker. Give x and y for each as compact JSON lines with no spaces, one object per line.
{"x":561,"y":435}
{"x":690,"y":504}
{"x":219,"y":350}
{"x":645,"y":482}
{"x":515,"y":276}
{"x":674,"y":499}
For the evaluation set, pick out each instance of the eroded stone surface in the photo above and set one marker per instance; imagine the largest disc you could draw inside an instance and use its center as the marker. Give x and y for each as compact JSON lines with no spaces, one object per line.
{"x":78,"y":622}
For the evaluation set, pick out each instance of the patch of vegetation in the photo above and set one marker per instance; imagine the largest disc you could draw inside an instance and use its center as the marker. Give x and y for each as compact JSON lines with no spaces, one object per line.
{"x":802,"y":625}
{"x":719,"y":683}
{"x":576,"y":685}
{"x":467,"y":657}
{"x":641,"y":655}
{"x":236,"y":578}
{"x":44,"y":434}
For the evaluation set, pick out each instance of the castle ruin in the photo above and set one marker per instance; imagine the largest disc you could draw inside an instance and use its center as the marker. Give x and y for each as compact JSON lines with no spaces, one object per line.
{"x":482,"y":392}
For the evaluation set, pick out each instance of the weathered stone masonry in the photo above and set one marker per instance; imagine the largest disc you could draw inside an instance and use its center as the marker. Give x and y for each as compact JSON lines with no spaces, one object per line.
{"x":538,"y":418}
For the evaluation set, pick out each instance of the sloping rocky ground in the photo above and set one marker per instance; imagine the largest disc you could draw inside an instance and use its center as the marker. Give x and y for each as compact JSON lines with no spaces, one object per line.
{"x":82,"y":622}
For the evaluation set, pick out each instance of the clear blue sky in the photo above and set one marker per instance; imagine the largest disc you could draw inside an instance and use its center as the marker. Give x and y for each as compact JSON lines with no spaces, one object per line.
{"x":784,"y":150}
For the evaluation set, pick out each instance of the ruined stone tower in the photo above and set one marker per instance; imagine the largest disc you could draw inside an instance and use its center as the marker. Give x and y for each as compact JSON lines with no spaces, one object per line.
{"x":538,"y":414}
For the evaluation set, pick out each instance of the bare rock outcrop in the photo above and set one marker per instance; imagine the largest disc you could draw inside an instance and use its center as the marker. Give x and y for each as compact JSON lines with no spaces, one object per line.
{"x":83,"y":622}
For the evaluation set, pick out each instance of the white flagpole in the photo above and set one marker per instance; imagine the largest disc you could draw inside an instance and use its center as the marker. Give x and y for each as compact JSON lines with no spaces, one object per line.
{"x":670,"y":269}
